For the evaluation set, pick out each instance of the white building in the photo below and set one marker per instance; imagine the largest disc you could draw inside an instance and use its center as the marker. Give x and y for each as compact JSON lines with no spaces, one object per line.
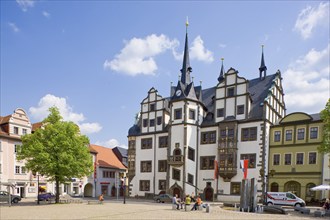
{"x":176,"y":139}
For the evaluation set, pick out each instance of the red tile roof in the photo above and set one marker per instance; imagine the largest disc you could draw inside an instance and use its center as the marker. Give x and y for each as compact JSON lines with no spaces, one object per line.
{"x":106,"y":157}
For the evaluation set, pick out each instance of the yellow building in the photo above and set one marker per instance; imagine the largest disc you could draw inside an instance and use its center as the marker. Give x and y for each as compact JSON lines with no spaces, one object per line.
{"x":295,"y":165}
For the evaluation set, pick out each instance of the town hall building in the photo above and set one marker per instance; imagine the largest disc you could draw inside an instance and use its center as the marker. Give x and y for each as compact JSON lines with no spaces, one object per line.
{"x":192,"y":141}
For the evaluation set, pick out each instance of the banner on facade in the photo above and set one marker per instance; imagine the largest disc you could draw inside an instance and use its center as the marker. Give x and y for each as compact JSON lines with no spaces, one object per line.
{"x":244,"y":165}
{"x":216,"y":169}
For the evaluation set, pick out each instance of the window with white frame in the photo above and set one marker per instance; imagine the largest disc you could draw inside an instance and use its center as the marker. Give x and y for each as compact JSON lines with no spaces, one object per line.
{"x":312,"y":158}
{"x":314,"y":132}
{"x":300,"y":158}
{"x":301,"y":134}
{"x":288,"y":135}
{"x":17,"y":169}
{"x":277,"y":136}
{"x":276,"y":159}
{"x":15,"y":130}
{"x":287,"y":159}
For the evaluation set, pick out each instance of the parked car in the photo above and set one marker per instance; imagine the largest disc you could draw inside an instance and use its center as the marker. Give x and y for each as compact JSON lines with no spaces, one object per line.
{"x":163,"y":198}
{"x":285,"y":199}
{"x":4,"y":197}
{"x":46,"y":196}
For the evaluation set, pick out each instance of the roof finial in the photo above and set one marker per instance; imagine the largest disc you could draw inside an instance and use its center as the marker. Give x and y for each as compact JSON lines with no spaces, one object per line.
{"x":262,"y":67}
{"x":187,"y":24}
{"x":222,"y":71}
{"x":186,"y":68}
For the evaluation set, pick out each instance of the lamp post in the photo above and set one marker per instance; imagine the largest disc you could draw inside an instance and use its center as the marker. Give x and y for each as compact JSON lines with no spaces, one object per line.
{"x":38,"y":189}
{"x":124,"y":189}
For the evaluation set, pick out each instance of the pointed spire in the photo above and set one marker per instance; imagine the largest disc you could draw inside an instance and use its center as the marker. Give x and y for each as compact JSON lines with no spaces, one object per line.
{"x":186,"y":69}
{"x":222,"y":71}
{"x":262,"y":67}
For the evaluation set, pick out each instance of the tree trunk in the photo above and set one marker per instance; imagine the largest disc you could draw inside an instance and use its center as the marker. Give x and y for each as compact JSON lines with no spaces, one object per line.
{"x":57,"y":190}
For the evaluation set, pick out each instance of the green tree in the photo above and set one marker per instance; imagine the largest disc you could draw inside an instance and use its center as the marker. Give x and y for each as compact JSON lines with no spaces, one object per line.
{"x":57,"y":150}
{"x":325,"y":116}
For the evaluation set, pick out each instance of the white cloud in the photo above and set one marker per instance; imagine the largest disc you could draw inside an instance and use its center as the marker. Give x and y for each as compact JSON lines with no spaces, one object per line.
{"x":110,"y":143}
{"x":311,"y":17}
{"x":199,"y":52}
{"x":41,"y":112}
{"x":46,"y":14}
{"x":222,"y":45}
{"x":137,"y":57}
{"x":13,"y":27}
{"x":306,"y":82}
{"x":25,"y":4}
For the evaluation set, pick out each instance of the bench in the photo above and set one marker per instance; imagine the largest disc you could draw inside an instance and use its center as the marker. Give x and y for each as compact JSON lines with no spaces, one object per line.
{"x":304,"y":210}
{"x":319,"y":213}
{"x":90,"y":202}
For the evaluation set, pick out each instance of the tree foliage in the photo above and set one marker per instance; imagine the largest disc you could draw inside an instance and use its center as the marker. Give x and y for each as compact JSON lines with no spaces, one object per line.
{"x":325,"y":116}
{"x":58,"y":150}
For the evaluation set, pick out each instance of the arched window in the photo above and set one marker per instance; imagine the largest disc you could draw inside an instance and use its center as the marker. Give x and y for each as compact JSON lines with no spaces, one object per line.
{"x":309,"y":192}
{"x":293,"y":187}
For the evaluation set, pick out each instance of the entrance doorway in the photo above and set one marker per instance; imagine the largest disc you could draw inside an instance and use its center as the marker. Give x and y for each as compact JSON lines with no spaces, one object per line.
{"x":208,"y":192}
{"x":177,"y":191}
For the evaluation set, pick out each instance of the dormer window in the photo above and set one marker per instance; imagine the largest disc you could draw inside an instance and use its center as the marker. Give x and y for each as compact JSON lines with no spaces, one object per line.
{"x":230,"y":92}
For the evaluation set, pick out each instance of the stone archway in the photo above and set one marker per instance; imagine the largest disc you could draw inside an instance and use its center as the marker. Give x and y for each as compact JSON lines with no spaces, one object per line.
{"x":208,"y":193}
{"x":293,"y":186}
{"x":88,"y":190}
{"x":176,"y":189}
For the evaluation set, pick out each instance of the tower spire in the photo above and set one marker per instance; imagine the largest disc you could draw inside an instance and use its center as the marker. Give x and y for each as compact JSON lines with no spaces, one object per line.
{"x":186,"y":69}
{"x":262,"y":68}
{"x":222,"y":71}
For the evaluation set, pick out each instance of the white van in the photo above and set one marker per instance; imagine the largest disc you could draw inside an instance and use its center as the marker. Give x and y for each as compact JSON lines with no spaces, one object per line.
{"x":284,"y":199}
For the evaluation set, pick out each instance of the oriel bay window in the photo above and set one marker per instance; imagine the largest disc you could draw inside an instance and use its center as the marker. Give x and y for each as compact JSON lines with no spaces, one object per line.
{"x":146,"y":166}
{"x":176,"y":174}
{"x":249,"y":134}
{"x":208,"y":137}
{"x":207,"y":163}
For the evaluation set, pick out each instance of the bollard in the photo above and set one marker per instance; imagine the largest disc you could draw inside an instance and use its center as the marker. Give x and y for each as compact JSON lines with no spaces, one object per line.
{"x":207,"y":208}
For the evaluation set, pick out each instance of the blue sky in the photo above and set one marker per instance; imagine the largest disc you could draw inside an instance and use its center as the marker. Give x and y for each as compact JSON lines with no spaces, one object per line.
{"x":97,"y":60}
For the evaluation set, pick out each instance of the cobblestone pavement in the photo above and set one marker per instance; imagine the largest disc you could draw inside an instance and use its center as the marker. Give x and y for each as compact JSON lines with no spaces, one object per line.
{"x":131,"y":210}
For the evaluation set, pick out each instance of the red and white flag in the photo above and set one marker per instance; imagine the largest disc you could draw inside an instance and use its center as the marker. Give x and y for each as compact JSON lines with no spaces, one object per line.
{"x":244,"y":165}
{"x":215,"y":169}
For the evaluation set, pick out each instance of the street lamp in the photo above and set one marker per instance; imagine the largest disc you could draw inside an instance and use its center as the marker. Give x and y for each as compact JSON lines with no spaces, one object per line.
{"x":124,"y":189}
{"x":38,"y":189}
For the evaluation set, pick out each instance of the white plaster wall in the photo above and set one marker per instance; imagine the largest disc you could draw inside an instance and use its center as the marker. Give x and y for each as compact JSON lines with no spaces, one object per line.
{"x":231,"y":79}
{"x":230,"y":107}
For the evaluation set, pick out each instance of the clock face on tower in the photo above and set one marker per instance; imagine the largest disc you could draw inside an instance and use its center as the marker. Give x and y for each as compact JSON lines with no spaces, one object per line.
{"x":178,"y":93}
